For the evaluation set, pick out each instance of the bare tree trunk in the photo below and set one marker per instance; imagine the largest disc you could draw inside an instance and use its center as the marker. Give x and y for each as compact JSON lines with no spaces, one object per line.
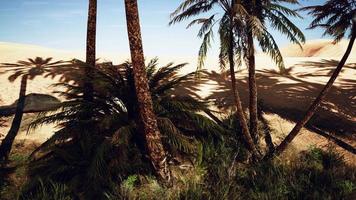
{"x":147,"y":116}
{"x":90,"y":51}
{"x":310,"y":112}
{"x":239,"y":110}
{"x":6,"y":144}
{"x":252,"y":89}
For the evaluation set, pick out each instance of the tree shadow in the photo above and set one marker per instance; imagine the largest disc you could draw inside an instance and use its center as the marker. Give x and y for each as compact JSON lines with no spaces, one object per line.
{"x":290,"y":95}
{"x":192,"y":86}
{"x":325,"y":67}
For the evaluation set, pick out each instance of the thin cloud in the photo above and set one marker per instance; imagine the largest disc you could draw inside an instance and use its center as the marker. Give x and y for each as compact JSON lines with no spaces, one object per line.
{"x":31,"y":22}
{"x":35,"y":3}
{"x":65,"y":15}
{"x":115,"y":26}
{"x":143,"y":26}
{"x":7,"y":9}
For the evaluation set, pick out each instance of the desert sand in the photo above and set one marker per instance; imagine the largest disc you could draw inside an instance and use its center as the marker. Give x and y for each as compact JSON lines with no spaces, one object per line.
{"x":285,"y":97}
{"x":318,"y":48}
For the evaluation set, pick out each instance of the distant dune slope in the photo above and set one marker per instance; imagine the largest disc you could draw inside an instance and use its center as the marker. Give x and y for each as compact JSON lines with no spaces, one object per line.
{"x":11,"y":52}
{"x":318,"y":48}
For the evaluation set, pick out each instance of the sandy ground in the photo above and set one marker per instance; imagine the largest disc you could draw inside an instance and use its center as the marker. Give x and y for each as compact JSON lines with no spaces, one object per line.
{"x":308,"y":72}
{"x":306,"y":139}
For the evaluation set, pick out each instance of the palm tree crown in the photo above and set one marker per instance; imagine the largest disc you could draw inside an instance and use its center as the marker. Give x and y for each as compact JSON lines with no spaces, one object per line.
{"x":243,"y":15}
{"x":337,"y":17}
{"x":258,"y":15}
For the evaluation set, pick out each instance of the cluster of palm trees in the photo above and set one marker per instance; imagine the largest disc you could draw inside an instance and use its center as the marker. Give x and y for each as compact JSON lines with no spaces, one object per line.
{"x":242,"y":24}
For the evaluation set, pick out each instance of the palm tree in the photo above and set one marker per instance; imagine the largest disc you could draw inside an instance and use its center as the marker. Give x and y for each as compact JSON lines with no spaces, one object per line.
{"x":229,"y":47}
{"x":257,"y":15}
{"x":90,"y":50}
{"x":2,"y":120}
{"x":338,"y":18}
{"x":26,"y":70}
{"x":146,"y":114}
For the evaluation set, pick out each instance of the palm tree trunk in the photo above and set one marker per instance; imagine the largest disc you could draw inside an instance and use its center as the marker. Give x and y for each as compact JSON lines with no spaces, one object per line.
{"x":310,"y":112}
{"x":239,"y":110}
{"x":266,"y":129}
{"x":252,"y":89}
{"x":90,"y":51}
{"x":147,"y":116}
{"x":6,"y":144}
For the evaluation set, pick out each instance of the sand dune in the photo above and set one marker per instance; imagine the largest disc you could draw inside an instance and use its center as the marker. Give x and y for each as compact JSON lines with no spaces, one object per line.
{"x":11,"y":52}
{"x":318,"y":48}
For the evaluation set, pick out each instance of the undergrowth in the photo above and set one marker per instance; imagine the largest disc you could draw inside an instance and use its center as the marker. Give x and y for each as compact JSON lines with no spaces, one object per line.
{"x":315,"y":174}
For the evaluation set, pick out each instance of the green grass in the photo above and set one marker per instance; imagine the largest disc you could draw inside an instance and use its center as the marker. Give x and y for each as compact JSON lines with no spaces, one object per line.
{"x":314,"y":174}
{"x":11,"y":183}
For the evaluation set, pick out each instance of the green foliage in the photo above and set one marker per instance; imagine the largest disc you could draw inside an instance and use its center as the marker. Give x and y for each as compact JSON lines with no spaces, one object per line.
{"x":310,"y":177}
{"x":222,"y":174}
{"x":190,"y":9}
{"x":337,"y":18}
{"x":225,"y":179}
{"x":237,"y":20}
{"x":297,"y":180}
{"x":48,"y":191}
{"x":130,"y":182}
{"x":80,"y":166}
{"x":18,"y":158}
{"x":89,"y":156}
{"x":325,"y":159}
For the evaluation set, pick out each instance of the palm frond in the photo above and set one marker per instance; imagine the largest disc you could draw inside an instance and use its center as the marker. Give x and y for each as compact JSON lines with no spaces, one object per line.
{"x":334,"y":16}
{"x":269,"y":45}
{"x":191,"y":8}
{"x":206,"y":44}
{"x":173,"y":136}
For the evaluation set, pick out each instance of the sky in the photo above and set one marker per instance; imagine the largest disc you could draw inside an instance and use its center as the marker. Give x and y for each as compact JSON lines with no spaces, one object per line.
{"x":61,"y":24}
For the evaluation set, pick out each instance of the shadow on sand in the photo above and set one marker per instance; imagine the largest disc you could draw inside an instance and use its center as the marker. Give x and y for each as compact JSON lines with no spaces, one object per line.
{"x":290,"y":95}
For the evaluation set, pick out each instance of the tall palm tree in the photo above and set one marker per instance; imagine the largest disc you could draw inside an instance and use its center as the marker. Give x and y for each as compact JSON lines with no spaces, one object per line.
{"x":258,"y":14}
{"x":2,"y":120}
{"x":230,"y":47}
{"x":146,"y":113}
{"x":90,"y":50}
{"x":26,"y":70}
{"x":338,"y":18}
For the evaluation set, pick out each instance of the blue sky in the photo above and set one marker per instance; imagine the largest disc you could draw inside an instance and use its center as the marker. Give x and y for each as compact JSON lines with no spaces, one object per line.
{"x":61,"y":24}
